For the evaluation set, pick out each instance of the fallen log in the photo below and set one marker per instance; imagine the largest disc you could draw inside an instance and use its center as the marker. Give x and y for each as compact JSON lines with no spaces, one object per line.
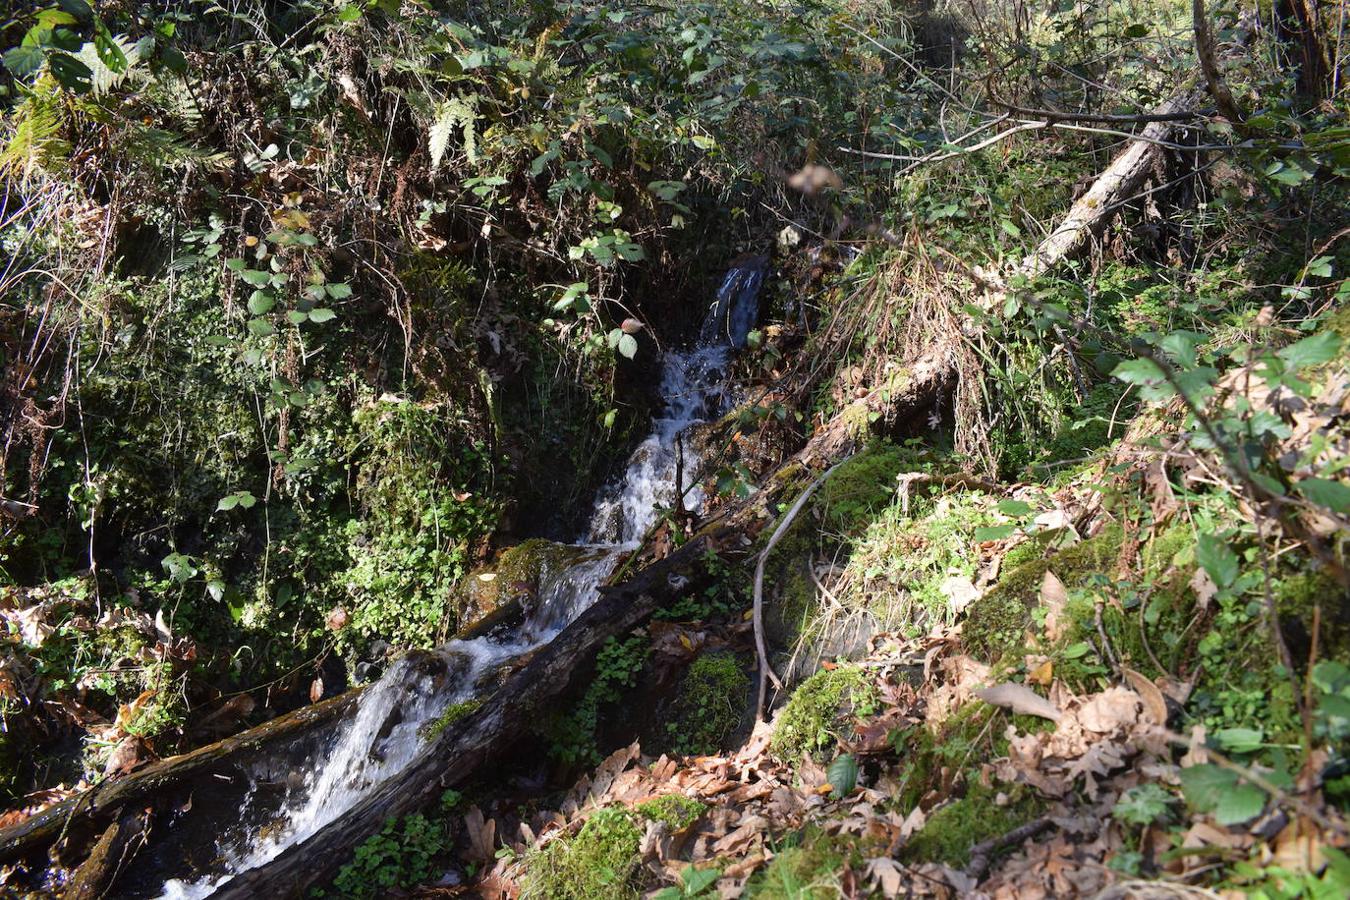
{"x":114,"y":849}
{"x":91,"y":809}
{"x":464,"y":747}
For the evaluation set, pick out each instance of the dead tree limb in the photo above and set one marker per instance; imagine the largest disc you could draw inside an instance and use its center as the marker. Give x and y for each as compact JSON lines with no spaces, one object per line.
{"x":101,"y":802}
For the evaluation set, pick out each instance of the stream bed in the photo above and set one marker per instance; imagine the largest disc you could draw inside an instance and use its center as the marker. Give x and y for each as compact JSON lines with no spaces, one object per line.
{"x":387,"y":732}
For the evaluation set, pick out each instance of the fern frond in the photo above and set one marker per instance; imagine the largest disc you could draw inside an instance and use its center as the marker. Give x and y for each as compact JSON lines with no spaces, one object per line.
{"x":455,"y":111}
{"x":33,"y":130}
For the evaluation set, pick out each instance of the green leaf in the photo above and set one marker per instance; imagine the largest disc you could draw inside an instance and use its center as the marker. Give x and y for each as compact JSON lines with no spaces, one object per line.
{"x":696,"y":881}
{"x":227,"y":503}
{"x":843,"y":775}
{"x":255,"y":277}
{"x":296,"y":317}
{"x":338,"y":290}
{"x":1009,"y":228}
{"x":1311,"y":351}
{"x":349,"y":13}
{"x":1014,"y":507}
{"x":1239,"y":804}
{"x":996,"y":533}
{"x":77,"y":8}
{"x":260,"y":302}
{"x":108,"y":52}
{"x":1217,"y":559}
{"x":1334,"y":495}
{"x":322,"y":314}
{"x":73,"y":74}
{"x":628,"y":345}
{"x":260,"y":327}
{"x":1240,"y":740}
{"x":23,"y":61}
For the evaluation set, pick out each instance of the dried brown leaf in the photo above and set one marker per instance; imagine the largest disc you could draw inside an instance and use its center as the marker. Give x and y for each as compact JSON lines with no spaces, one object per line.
{"x":1020,"y":699}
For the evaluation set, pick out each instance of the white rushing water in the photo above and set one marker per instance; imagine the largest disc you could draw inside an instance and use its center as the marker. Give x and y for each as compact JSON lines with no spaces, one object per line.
{"x":384,"y":737}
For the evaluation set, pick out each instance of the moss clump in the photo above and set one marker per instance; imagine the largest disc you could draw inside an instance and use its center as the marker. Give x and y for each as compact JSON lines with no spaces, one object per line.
{"x":598,"y":862}
{"x":998,"y":621}
{"x":452,"y":714}
{"x":807,"y":869}
{"x":816,"y":714}
{"x":862,"y":487}
{"x":676,"y":811}
{"x":712,"y":701}
{"x":954,"y":829}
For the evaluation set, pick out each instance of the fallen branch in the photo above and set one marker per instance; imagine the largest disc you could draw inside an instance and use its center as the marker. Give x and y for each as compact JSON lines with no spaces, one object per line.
{"x":982,"y":854}
{"x":95,"y":806}
{"x":766,"y":672}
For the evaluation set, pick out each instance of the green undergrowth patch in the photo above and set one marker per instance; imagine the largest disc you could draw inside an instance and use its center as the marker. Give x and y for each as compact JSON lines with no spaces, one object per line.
{"x":572,"y":735}
{"x":820,"y":709}
{"x":805,"y":867}
{"x":713,"y":699}
{"x":405,"y":852}
{"x":676,"y":811}
{"x":598,"y":862}
{"x":951,"y":831}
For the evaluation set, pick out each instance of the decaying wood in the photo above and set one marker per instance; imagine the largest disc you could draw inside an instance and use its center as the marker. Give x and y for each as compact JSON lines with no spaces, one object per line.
{"x":1121,"y":180}
{"x":93,"y":807}
{"x":114,"y":850}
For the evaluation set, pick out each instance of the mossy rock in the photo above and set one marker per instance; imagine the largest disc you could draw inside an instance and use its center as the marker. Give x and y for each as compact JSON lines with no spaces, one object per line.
{"x":998,"y":622}
{"x":818,"y":713}
{"x":512,"y":581}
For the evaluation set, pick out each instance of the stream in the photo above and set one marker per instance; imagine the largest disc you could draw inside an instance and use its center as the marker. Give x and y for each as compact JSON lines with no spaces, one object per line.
{"x":386,"y":733}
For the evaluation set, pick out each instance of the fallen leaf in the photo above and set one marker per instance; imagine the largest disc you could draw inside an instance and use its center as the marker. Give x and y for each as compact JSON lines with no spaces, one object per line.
{"x":1154,"y":703}
{"x":1111,"y":709}
{"x":960,"y":593}
{"x":316,"y":690}
{"x":886,"y":875}
{"x":1054,"y":597}
{"x":1204,"y":588}
{"x":1043,"y":674}
{"x":336,"y":619}
{"x":1020,"y":699}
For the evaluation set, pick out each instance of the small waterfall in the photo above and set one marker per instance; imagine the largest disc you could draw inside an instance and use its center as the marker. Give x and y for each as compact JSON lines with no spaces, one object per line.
{"x":385,"y":736}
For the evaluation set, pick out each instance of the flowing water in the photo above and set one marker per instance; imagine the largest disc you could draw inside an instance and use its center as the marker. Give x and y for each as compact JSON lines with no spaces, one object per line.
{"x":384,"y":736}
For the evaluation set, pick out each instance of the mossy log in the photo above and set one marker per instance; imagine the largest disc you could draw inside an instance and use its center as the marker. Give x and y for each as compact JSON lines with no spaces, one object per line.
{"x":114,"y":849}
{"x":464,"y":747}
{"x":90,"y":810}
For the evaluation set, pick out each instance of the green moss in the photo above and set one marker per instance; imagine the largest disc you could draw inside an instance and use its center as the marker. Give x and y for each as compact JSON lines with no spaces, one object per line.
{"x":817,"y":714}
{"x":454,"y":713}
{"x":675,"y":810}
{"x":953,"y":830}
{"x":713,"y":699}
{"x":998,"y":621}
{"x":926,"y":751}
{"x":806,"y":869}
{"x":862,"y":486}
{"x":600,"y":861}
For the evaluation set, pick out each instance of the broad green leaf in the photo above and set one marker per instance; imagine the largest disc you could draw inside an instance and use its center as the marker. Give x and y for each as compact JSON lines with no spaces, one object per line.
{"x":1014,"y":507}
{"x":260,"y":302}
{"x":73,"y":74}
{"x":23,"y":61}
{"x":1311,"y":351}
{"x":255,"y":277}
{"x":108,"y":52}
{"x":227,"y":503}
{"x":628,"y":345}
{"x":1240,"y":740}
{"x":996,"y":533}
{"x":1334,"y":495}
{"x":338,"y":290}
{"x":260,"y":327}
{"x":1239,"y":804}
{"x":843,"y":775}
{"x":1217,"y":559}
{"x":322,"y":314}
{"x":297,"y":317}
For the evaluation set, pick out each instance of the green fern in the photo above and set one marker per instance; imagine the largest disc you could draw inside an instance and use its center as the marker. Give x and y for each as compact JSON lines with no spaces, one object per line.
{"x":455,"y":111}
{"x":34,"y":139}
